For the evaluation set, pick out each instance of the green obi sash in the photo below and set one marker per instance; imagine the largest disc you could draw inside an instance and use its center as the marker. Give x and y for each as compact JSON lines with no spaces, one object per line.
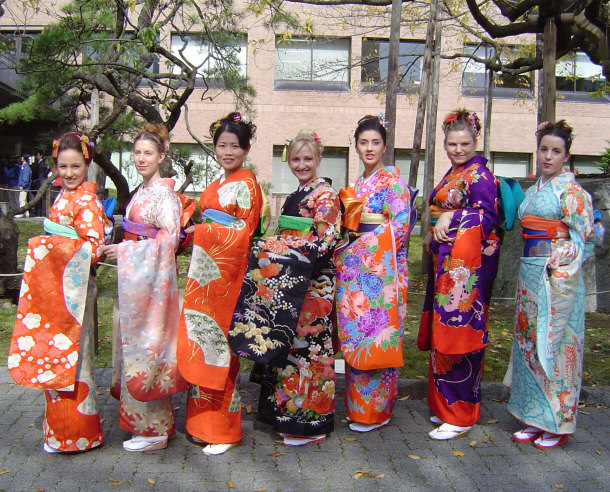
{"x":302,"y":224}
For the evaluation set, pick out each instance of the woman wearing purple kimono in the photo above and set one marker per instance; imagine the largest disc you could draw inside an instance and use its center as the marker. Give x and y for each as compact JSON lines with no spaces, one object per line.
{"x":464,"y":251}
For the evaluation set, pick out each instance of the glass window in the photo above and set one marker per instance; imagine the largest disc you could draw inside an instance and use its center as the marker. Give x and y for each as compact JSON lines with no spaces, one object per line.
{"x":473,"y":77}
{"x":576,"y":73}
{"x":374,"y":72}
{"x":586,"y":164}
{"x":333,"y":166}
{"x":312,"y":64}
{"x":215,"y":59}
{"x":510,"y":164}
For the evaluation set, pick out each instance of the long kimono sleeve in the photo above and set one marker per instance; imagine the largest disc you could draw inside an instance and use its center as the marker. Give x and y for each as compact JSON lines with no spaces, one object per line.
{"x":577,"y":212}
{"x":89,"y":222}
{"x":326,"y":220}
{"x":397,"y":208}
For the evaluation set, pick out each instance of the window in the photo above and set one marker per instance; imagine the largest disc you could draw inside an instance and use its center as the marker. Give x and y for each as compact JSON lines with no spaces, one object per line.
{"x":505,"y":84}
{"x":215,"y":59}
{"x":17,"y":43}
{"x":333,"y":166}
{"x":205,"y":167}
{"x":510,"y":164}
{"x":575,"y":73}
{"x":312,"y":64}
{"x":374,"y":74}
{"x":586,"y":164}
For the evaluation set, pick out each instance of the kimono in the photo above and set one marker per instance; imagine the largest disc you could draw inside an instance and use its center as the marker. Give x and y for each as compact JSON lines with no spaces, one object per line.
{"x":144,"y":359}
{"x":51,"y":348}
{"x":455,"y":321}
{"x":231,"y":213}
{"x":549,"y":336}
{"x":283,"y":318}
{"x":372,"y":284}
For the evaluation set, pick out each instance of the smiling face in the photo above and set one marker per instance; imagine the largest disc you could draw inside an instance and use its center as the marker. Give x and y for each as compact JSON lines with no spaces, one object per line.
{"x":72,"y":168}
{"x":460,"y":147}
{"x":551,"y":156}
{"x":229,"y":154}
{"x":148,"y":160}
{"x":370,"y":148}
{"x":304,"y":164}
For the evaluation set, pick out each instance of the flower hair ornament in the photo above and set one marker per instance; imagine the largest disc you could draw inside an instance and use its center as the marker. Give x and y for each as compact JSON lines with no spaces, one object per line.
{"x":382,"y":121}
{"x":85,"y":144}
{"x":314,"y":135}
{"x":471,"y":118}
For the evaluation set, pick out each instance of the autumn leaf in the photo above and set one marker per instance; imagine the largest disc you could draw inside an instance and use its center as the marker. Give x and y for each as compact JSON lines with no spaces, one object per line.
{"x":102,"y":420}
{"x":275,"y":455}
{"x":40,"y":489}
{"x":5,"y":471}
{"x":402,"y":398}
{"x":262,"y":489}
{"x":150,"y":480}
{"x":414,"y":457}
{"x":231,"y":485}
{"x":114,"y":481}
{"x":367,"y":474}
{"x":248,"y":408}
{"x":472,"y":443}
{"x":350,"y":439}
{"x":598,"y":451}
{"x":32,"y":425}
{"x":559,"y":486}
{"x":459,"y":454}
{"x":492,"y":421}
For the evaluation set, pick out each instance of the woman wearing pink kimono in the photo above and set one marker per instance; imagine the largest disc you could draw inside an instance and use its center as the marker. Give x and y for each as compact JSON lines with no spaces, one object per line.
{"x":145,"y":366}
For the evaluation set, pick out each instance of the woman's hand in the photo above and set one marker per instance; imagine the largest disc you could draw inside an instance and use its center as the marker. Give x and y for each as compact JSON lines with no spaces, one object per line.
{"x":427,"y":243}
{"x":553,"y":263}
{"x":190,"y":229}
{"x":111,"y":251}
{"x":441,"y":229}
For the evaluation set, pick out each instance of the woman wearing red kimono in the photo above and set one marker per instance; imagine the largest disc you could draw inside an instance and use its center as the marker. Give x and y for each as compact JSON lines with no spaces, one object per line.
{"x":231,"y":208}
{"x":52,"y":341}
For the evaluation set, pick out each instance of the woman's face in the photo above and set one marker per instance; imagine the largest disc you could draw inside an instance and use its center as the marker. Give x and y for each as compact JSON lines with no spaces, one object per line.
{"x":304,"y":165}
{"x":460,"y":147}
{"x":551,"y":156}
{"x":370,"y":148}
{"x":147,"y":159}
{"x":72,"y":168}
{"x":229,"y":154}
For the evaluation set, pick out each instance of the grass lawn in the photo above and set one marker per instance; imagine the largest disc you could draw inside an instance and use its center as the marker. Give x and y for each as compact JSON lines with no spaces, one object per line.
{"x":597,"y":345}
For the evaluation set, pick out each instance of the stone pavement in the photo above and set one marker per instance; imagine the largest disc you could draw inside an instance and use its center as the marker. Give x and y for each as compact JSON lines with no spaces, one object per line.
{"x":400,"y":455}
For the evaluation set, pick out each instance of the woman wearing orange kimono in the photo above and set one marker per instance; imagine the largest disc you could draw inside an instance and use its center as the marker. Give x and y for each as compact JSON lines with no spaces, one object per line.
{"x":145,"y":366}
{"x":464,"y":251}
{"x":372,"y":282}
{"x":52,"y":342}
{"x":231,"y":213}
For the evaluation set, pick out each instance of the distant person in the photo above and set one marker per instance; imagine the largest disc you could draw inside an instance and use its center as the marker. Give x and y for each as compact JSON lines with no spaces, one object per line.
{"x":464,"y":250}
{"x":24,"y":181}
{"x":39,"y":175}
{"x":12,"y":174}
{"x":546,"y":362}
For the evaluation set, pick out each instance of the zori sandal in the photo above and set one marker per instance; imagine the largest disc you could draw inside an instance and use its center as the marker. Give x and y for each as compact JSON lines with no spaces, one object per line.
{"x":436,"y":420}
{"x":358,"y":427}
{"x":529,"y":434}
{"x":216,"y":449}
{"x":447,"y":431}
{"x":548,"y":440}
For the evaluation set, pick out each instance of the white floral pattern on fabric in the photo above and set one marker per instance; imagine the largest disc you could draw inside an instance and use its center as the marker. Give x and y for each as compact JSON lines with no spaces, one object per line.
{"x":235,"y":192}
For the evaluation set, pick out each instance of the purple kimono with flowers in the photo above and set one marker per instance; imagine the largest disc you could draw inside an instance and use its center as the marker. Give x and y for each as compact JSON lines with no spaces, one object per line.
{"x":455,"y":320}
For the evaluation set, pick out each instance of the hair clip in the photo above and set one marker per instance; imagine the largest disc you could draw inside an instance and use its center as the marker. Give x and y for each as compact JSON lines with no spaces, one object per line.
{"x":238,"y":118}
{"x":55,"y":148}
{"x":450,"y":118}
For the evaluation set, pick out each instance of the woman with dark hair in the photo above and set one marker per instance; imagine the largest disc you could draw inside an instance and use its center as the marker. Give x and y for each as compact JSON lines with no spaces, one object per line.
{"x":52,"y":341}
{"x":464,"y":251}
{"x":231,"y":211}
{"x":145,"y":366}
{"x":282,"y":320}
{"x":372,"y":281}
{"x":546,"y":362}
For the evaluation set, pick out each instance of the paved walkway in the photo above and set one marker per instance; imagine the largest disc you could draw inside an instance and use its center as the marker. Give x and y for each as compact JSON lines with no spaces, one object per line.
{"x":401,"y":456}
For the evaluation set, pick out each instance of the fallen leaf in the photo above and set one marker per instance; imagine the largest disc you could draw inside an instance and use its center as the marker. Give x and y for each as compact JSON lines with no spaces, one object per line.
{"x":250,"y":435}
{"x":350,"y":439}
{"x":99,"y":393}
{"x":414,"y":457}
{"x":32,"y":425}
{"x":5,"y":471}
{"x":472,"y":443}
{"x":419,"y":376}
{"x":367,"y":474}
{"x":248,"y":408}
{"x":559,"y":486}
{"x":231,"y":485}
{"x":40,"y":489}
{"x":458,"y":454}
{"x":262,"y":489}
{"x":584,"y":413}
{"x":176,"y":408}
{"x":492,"y":421}
{"x":487,"y":368}
{"x":150,"y":480}
{"x":598,"y":451}
{"x":402,"y":398}
{"x":102,"y":420}
{"x":276,"y":454}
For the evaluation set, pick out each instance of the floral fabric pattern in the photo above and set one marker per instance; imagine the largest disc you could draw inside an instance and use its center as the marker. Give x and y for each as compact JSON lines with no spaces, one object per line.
{"x":51,"y":344}
{"x":547,"y":355}
{"x":372,"y":283}
{"x":218,"y":265}
{"x":286,"y":309}
{"x":145,"y":365}
{"x":458,"y":292}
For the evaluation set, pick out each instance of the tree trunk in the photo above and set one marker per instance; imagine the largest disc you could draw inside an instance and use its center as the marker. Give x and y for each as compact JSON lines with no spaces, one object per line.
{"x":9,"y":235}
{"x":392,"y":82}
{"x":423,"y":95}
{"x":120,"y":182}
{"x":548,"y":70}
{"x":489,"y":84}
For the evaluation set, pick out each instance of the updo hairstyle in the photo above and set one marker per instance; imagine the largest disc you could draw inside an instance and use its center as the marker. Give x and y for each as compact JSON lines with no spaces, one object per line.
{"x":234,"y":123}
{"x":74,"y":141}
{"x":370,"y":122}
{"x":156,"y":133}
{"x":559,"y":129}
{"x":306,"y":138}
{"x":462,"y":119}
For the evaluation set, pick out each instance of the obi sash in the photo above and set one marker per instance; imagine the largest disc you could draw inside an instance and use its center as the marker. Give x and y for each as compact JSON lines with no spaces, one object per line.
{"x":540,"y":234}
{"x":59,"y":230}
{"x":353,"y":209}
{"x":436,"y":212}
{"x":137,"y":231}
{"x":218,"y":216}
{"x":294,"y":226}
{"x":369,"y":222}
